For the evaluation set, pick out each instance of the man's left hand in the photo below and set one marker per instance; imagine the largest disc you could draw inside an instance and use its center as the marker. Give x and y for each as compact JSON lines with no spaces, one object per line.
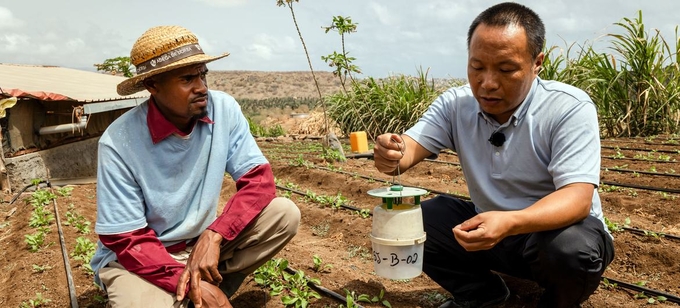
{"x":483,"y":231}
{"x":202,"y":265}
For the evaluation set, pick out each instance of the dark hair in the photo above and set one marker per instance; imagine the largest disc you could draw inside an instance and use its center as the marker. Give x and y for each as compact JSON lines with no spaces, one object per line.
{"x":509,"y":13}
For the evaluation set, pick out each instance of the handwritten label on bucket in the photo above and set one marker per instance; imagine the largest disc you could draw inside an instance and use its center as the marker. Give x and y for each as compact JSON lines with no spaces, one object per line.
{"x":394,"y":259}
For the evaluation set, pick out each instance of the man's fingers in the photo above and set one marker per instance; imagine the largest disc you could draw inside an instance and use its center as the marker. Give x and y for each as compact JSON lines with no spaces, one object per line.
{"x":195,"y":292}
{"x":217,"y":278}
{"x":182,"y":285}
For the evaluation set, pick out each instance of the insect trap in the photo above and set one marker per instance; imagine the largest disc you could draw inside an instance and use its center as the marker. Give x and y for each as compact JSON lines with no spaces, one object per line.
{"x":397,"y":234}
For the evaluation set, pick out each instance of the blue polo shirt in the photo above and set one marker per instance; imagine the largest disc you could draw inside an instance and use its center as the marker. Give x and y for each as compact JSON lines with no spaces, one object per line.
{"x":552,"y":140}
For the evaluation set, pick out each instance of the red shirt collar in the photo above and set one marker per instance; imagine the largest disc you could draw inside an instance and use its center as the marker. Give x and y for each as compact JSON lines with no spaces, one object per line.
{"x":160,"y":128}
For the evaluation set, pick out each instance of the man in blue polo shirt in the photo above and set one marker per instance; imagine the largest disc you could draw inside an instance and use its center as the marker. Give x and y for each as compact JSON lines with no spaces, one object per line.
{"x":530,"y":152}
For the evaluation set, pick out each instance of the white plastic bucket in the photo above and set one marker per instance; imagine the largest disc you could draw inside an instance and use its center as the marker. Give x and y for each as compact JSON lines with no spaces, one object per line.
{"x":398,"y":239}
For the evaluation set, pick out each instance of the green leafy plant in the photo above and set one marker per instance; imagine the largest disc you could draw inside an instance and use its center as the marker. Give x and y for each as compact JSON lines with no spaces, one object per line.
{"x":269,"y":275}
{"x":364,"y":213}
{"x":618,"y":154}
{"x":433,"y":298}
{"x":65,"y":191}
{"x":41,"y":197}
{"x":319,"y":266}
{"x":40,"y":217}
{"x":608,"y":285}
{"x":35,"y":241}
{"x":616,"y":227}
{"x":40,"y":268}
{"x":77,"y":221}
{"x":84,"y":251}
{"x":332,"y":155}
{"x":321,"y":229}
{"x":38,"y":301}
{"x":293,"y":288}
{"x":299,"y":293}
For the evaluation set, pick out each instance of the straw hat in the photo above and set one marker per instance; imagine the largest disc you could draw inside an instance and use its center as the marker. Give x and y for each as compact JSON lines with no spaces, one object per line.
{"x":161,"y":49}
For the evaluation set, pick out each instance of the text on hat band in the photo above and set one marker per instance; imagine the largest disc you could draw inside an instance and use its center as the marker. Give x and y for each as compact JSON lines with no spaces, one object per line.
{"x":169,"y":57}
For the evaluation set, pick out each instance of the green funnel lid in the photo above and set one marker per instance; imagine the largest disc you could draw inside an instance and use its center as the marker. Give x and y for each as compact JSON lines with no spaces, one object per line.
{"x":396,"y":191}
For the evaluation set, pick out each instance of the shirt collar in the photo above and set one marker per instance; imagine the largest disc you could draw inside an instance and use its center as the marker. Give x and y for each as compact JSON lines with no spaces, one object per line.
{"x":159,"y":126}
{"x":519,"y":114}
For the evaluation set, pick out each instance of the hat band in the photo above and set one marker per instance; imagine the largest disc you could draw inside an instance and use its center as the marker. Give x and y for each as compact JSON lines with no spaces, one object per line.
{"x":169,"y":57}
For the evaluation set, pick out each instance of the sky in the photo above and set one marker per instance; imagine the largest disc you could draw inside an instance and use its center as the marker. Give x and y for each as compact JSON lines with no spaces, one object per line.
{"x":393,"y":36}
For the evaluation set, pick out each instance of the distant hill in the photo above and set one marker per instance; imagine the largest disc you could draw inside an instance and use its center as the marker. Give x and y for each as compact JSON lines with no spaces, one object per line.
{"x":260,"y":85}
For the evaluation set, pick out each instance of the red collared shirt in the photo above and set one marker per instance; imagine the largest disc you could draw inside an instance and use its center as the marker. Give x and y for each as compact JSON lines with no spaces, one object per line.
{"x":141,"y":252}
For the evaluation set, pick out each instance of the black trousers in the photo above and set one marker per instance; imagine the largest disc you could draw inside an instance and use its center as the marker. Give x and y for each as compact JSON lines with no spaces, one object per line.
{"x":568,"y":263}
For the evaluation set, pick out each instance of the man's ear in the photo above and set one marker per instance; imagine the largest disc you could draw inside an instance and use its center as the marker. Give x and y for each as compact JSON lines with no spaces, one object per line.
{"x":538,"y":63}
{"x":150,"y":85}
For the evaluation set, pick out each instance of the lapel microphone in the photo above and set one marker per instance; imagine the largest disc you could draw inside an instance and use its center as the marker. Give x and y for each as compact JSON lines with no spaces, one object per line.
{"x":497,"y":139}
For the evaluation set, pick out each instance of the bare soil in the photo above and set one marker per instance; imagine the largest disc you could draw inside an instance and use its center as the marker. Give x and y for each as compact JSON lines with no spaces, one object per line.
{"x":340,"y":237}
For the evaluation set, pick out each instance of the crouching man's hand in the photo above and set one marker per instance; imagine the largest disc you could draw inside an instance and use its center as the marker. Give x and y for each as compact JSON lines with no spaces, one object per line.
{"x":212,"y":297}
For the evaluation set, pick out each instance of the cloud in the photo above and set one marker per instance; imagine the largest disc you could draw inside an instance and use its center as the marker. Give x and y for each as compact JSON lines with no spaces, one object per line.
{"x":385,"y":16}
{"x":267,"y":47}
{"x":7,"y":19}
{"x":223,"y":3}
{"x":13,"y":42}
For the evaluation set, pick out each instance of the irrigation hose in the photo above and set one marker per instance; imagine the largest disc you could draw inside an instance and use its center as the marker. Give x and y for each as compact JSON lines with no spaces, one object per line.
{"x":16,"y":196}
{"x":641,"y":150}
{"x":64,"y":254}
{"x":675,"y":191}
{"x":669,"y":297}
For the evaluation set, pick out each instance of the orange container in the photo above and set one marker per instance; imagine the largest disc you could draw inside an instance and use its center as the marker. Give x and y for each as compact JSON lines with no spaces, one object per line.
{"x":358,"y":142}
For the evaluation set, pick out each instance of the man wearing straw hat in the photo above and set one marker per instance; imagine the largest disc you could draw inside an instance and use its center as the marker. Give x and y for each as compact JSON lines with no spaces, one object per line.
{"x":530,"y":153}
{"x":160,"y":173}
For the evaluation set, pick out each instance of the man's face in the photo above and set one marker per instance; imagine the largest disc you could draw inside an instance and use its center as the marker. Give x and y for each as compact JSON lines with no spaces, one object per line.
{"x":181,"y":94}
{"x":501,"y":69}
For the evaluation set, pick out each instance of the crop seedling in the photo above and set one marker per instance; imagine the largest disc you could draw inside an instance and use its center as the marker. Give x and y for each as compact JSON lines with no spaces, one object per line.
{"x":84,"y":251}
{"x":618,"y":154}
{"x":38,"y":301}
{"x":321,"y":229}
{"x":614,"y":226}
{"x":359,"y":251}
{"x":375,"y":299}
{"x":433,"y":298}
{"x":41,"y":197}
{"x":77,"y":221}
{"x":650,"y":300}
{"x":299,"y":292}
{"x":293,"y":288}
{"x":269,"y":275}
{"x":364,"y":213}
{"x":654,"y":234}
{"x":40,"y":217}
{"x":607,"y":284}
{"x":65,"y":191}
{"x":35,"y":240}
{"x":40,"y":268}
{"x":319,"y":266}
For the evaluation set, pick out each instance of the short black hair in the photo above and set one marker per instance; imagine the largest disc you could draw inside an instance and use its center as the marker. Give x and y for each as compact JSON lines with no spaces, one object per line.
{"x":510,"y":13}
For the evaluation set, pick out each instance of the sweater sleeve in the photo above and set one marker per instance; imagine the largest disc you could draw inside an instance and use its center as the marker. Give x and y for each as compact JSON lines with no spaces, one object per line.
{"x":255,"y":190}
{"x":141,"y":253}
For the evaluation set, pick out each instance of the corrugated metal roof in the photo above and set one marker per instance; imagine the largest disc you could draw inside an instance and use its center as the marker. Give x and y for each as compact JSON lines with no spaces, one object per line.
{"x":50,"y":82}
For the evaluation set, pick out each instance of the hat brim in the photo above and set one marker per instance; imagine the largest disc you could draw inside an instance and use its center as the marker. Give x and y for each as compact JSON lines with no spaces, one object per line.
{"x":134,"y":84}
